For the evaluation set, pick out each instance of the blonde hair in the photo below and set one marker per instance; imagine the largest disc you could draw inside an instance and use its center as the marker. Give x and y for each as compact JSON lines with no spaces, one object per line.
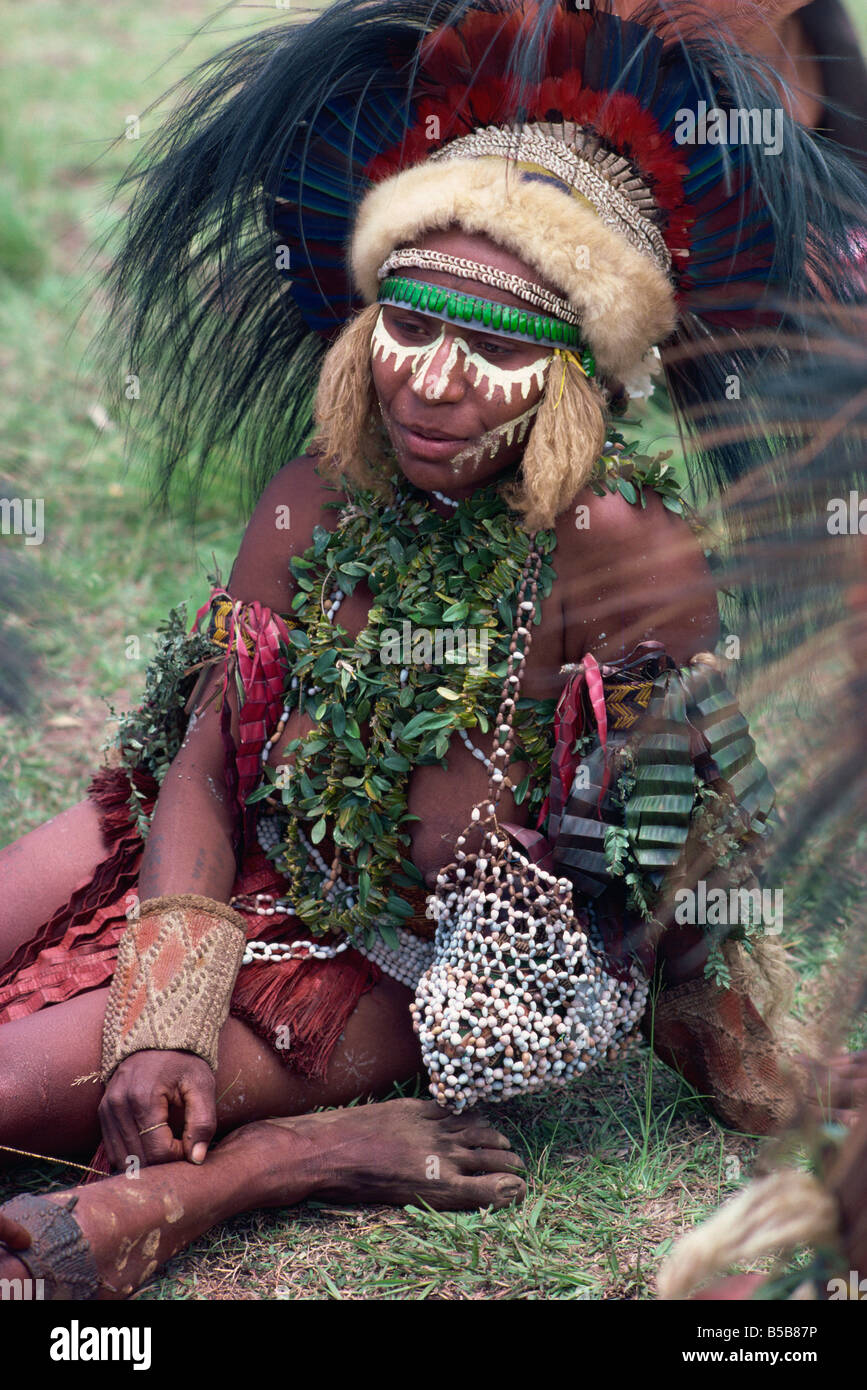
{"x":566,"y":438}
{"x":345,"y":408}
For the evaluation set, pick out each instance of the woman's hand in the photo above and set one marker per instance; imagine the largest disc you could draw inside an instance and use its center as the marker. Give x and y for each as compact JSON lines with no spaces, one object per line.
{"x":141,"y":1093}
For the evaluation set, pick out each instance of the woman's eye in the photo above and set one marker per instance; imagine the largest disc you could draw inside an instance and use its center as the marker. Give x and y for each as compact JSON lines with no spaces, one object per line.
{"x":412,"y":328}
{"x":499,"y":349}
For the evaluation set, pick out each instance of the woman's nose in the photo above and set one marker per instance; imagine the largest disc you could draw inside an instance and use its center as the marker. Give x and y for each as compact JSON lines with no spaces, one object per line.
{"x":439,"y":375}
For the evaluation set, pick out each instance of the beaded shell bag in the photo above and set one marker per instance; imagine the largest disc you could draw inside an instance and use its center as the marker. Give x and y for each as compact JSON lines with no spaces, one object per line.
{"x":516,"y":998}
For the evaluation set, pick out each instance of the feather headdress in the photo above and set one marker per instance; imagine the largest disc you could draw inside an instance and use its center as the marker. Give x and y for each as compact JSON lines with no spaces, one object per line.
{"x":284,"y":172}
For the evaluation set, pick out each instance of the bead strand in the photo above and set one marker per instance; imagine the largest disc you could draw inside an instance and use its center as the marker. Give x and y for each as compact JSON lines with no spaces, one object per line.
{"x":476,"y":752}
{"x":511,"y":685}
{"x":508,"y":705}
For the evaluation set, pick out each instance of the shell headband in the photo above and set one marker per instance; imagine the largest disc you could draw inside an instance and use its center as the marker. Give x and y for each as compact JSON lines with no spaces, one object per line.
{"x":580,"y":164}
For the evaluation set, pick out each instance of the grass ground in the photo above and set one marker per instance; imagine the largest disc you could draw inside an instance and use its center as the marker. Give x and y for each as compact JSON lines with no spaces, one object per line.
{"x":621,"y":1165}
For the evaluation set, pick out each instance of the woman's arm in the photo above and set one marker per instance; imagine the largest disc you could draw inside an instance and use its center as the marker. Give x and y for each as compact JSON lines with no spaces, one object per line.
{"x":633,"y":575}
{"x":189,"y":849}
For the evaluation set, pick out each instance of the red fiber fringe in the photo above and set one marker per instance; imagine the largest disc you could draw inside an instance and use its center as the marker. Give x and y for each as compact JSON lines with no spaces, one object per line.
{"x":38,"y":972}
{"x":75,"y":951}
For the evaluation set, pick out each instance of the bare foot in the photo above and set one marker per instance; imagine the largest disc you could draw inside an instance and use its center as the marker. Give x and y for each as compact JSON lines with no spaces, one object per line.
{"x":396,"y":1152}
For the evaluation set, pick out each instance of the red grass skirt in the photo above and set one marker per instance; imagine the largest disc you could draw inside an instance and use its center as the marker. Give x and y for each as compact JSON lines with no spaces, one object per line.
{"x":75,"y":951}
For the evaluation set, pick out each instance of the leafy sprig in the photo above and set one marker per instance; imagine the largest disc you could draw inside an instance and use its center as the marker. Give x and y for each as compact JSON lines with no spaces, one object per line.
{"x":622,"y":469}
{"x":149,"y":736}
{"x":432,"y":574}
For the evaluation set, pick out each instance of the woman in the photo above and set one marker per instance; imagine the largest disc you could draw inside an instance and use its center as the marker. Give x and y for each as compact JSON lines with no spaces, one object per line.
{"x":514,"y":292}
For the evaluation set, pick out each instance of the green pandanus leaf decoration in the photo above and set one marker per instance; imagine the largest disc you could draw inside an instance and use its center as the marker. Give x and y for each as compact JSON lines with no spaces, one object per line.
{"x":658,"y":810}
{"x":582,"y":850}
{"x":716,"y":714}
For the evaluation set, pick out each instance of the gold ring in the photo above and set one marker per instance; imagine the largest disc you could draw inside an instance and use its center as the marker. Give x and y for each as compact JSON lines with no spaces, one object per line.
{"x":150,"y":1127}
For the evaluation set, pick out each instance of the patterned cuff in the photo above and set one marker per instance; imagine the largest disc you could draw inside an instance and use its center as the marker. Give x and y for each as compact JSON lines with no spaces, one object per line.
{"x":176,"y":969}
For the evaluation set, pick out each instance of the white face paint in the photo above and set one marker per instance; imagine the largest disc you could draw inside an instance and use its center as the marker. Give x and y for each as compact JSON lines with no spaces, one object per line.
{"x":489,"y":442}
{"x":432,"y":384}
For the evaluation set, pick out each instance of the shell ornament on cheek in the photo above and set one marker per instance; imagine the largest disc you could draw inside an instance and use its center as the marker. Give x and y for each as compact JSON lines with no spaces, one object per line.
{"x":432,"y":384}
{"x":489,"y":443}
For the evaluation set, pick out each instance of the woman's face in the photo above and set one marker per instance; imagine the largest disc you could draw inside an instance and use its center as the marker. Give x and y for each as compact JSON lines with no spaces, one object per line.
{"x":457,"y":404}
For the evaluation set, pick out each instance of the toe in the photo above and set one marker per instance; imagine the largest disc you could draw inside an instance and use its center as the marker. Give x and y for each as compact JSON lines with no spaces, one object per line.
{"x":455,"y":1124}
{"x":495,"y":1192}
{"x":491,"y":1161}
{"x":432,"y":1110}
{"x":429,"y":1106}
{"x":483,"y":1136}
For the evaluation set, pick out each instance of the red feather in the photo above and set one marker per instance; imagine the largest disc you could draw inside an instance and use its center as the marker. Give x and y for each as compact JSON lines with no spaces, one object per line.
{"x":461,"y":75}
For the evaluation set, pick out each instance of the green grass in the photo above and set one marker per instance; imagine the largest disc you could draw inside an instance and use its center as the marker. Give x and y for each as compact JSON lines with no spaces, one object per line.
{"x":110,"y":568}
{"x":620,"y":1165}
{"x":612,"y":1183}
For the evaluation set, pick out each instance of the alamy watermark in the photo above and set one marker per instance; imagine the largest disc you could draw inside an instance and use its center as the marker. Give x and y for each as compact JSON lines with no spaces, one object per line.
{"x":23,"y":516}
{"x":77,"y":1343}
{"x":847,"y":516}
{"x":720,"y":907}
{"x":738,"y":126}
{"x":465,"y":646}
{"x":24,"y":1289}
{"x":854,"y":1288}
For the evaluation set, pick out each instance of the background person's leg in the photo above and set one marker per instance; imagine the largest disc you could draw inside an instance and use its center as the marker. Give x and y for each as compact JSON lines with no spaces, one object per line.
{"x":41,"y":871}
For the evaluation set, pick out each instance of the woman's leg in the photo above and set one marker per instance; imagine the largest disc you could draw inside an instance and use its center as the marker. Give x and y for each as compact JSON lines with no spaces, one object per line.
{"x":41,"y":871}
{"x":42,"y":1055}
{"x":397,"y":1152}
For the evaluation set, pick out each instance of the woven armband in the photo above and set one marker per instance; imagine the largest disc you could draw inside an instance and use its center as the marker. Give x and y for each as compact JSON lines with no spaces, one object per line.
{"x":176,"y":969}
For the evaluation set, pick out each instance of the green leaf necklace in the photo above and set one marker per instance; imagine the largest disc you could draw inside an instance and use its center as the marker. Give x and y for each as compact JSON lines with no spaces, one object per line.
{"x":429,"y":662}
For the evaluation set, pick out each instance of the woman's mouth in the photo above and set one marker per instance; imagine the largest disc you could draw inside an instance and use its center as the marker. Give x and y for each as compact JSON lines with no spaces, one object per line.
{"x":426,"y":446}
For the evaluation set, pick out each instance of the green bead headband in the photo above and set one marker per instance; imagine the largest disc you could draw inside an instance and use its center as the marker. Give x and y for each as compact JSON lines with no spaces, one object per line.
{"x":502,"y":320}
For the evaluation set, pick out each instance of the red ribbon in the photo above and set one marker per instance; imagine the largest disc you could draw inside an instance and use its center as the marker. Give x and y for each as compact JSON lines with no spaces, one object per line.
{"x":568,"y":727}
{"x":253,"y":648}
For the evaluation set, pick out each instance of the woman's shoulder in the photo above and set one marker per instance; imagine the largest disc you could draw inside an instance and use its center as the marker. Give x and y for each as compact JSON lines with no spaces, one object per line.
{"x":302,"y":486}
{"x":604,"y":518}
{"x":633,"y":571}
{"x":608,"y":530}
{"x":296,"y":500}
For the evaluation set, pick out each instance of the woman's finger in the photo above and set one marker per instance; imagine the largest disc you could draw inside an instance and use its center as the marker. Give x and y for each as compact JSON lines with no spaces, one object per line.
{"x":153,"y":1134}
{"x":200,"y":1117}
{"x":111,"y":1134}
